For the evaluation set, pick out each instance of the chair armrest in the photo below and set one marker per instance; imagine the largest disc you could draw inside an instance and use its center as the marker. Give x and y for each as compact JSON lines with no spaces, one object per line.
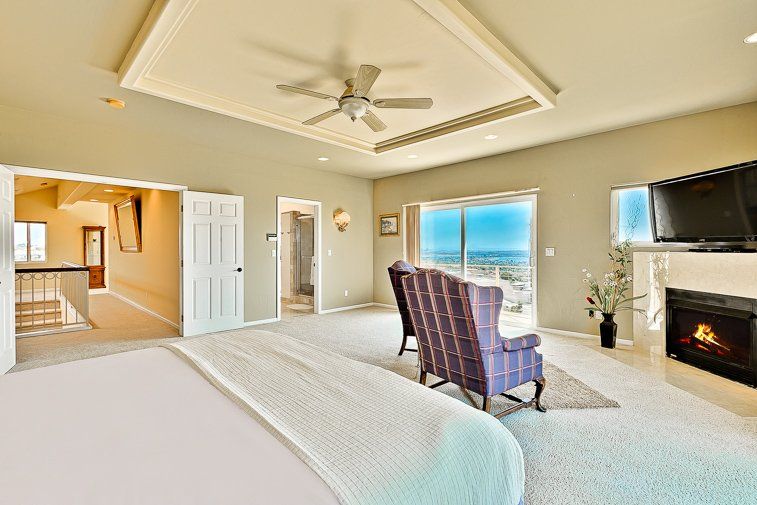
{"x":522,"y":342}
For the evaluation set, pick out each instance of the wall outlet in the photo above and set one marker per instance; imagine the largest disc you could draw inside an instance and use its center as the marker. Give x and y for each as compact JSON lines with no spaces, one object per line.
{"x":549,"y":251}
{"x":346,"y":292}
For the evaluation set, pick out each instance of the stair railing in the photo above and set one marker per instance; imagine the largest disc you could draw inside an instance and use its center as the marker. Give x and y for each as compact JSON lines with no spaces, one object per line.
{"x":51,"y":300}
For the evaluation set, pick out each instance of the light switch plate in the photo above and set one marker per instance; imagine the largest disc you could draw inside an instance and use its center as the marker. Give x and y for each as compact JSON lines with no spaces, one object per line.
{"x":273,"y":253}
{"x":329,"y":252}
{"x":549,"y":251}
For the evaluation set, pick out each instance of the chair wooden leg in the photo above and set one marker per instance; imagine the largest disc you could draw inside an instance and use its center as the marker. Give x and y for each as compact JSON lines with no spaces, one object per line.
{"x":423,"y":377}
{"x":541,"y":383}
{"x":404,"y":343}
{"x":487,"y":407}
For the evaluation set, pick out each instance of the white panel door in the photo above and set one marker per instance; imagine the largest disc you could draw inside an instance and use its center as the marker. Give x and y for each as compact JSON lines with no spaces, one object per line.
{"x":7,"y":293}
{"x":212,"y":262}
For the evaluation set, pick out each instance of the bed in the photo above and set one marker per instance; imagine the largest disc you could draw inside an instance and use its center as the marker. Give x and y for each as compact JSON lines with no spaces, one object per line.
{"x":247,"y":417}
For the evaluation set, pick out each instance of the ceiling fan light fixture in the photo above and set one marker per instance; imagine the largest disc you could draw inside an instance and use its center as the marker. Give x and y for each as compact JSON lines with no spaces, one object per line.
{"x":491,"y":136}
{"x":751,"y":39}
{"x":323,"y":158}
{"x":354,"y":107}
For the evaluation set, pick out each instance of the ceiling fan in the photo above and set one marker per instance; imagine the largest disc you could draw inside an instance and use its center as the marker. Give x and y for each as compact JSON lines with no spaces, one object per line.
{"x":354,"y":103}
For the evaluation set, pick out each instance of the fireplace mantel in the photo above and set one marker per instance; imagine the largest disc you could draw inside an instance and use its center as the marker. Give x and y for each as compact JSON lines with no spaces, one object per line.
{"x":723,"y":273}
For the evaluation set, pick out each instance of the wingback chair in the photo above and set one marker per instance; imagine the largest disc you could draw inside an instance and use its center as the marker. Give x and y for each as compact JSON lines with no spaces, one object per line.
{"x":396,"y":272}
{"x":456,"y":324}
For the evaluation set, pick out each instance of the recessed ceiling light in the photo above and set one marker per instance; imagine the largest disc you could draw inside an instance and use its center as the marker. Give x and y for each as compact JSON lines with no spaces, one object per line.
{"x":412,"y":156}
{"x":323,"y":158}
{"x":108,"y":190}
{"x":751,"y":39}
{"x":491,"y":136}
{"x":115,"y":103}
{"x":94,"y":200}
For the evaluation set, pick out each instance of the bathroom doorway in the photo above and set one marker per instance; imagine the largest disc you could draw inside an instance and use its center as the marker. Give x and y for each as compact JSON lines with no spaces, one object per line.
{"x":299,"y":243}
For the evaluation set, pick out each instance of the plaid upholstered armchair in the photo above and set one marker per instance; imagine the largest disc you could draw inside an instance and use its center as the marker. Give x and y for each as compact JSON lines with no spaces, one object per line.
{"x":456,"y":325}
{"x":396,"y":272}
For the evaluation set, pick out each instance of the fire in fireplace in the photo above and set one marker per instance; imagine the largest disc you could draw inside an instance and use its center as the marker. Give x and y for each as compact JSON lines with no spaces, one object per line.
{"x":706,"y":340}
{"x":714,"y":332}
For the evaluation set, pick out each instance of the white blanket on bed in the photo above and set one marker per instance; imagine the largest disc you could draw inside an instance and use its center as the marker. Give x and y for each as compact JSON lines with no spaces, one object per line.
{"x":374,"y":437}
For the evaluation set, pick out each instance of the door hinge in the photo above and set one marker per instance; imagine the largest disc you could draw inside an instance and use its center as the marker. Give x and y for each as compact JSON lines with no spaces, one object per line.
{"x":182,"y":318}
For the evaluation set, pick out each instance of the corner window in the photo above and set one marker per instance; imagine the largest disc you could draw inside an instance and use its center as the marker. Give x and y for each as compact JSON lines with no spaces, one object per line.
{"x":630,"y":216}
{"x":29,"y":242}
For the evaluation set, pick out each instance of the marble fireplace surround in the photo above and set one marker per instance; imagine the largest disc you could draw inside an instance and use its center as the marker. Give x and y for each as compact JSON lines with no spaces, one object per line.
{"x":723,"y":273}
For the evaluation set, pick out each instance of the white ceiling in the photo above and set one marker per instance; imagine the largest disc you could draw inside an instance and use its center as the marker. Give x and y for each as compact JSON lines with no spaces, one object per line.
{"x":218,"y":51}
{"x":614,"y":64}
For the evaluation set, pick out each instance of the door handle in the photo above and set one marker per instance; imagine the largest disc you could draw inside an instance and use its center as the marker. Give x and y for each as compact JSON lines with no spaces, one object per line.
{"x":239,"y":269}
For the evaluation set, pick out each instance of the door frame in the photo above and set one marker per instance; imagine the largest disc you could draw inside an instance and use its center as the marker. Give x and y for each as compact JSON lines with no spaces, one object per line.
{"x":317,"y":206}
{"x":115,"y":181}
{"x":523,"y":197}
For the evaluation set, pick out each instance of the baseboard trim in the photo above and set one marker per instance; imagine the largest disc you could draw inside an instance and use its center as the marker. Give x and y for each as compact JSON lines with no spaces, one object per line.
{"x":143,"y":309}
{"x":99,"y":291}
{"x":262,"y":321}
{"x":348,"y":307}
{"x":385,"y":305}
{"x":577,"y":334}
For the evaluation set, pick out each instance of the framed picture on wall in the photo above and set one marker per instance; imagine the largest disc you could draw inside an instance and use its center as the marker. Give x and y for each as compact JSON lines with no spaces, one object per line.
{"x":389,"y":225}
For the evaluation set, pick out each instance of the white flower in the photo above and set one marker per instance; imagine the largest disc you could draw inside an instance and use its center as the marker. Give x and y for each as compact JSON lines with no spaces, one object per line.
{"x":584,"y":270}
{"x":588,"y":275}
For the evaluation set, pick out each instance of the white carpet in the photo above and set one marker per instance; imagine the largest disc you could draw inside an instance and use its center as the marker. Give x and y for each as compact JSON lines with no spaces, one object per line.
{"x":661,"y":446}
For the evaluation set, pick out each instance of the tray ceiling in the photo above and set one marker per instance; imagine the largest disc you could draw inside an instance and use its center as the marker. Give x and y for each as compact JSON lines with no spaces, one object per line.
{"x":228,"y":55}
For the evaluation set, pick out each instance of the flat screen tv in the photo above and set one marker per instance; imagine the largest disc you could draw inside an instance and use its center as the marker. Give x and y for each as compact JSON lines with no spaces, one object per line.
{"x":718,"y":206}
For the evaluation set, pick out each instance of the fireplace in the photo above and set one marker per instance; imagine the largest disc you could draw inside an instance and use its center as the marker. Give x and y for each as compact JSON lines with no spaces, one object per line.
{"x":711,"y":331}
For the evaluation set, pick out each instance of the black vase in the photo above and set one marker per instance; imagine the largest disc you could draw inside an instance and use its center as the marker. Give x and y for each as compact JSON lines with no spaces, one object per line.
{"x":608,"y":331}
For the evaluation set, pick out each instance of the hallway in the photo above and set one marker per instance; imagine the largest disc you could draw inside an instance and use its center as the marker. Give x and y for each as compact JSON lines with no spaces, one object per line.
{"x":116,"y":327}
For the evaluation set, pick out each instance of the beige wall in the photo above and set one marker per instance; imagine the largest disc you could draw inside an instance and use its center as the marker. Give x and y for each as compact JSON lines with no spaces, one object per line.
{"x":574,"y":202}
{"x":150,"y":278}
{"x":65,"y":237}
{"x":39,"y":140}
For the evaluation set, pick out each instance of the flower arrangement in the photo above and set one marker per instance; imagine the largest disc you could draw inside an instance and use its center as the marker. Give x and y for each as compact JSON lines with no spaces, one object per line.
{"x":610,"y":295}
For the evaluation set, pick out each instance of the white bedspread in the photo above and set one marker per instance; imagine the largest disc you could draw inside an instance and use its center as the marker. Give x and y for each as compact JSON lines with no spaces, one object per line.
{"x":374,"y":437}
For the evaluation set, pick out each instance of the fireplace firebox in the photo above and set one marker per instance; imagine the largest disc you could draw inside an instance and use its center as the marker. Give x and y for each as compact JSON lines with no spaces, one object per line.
{"x":712,"y":331}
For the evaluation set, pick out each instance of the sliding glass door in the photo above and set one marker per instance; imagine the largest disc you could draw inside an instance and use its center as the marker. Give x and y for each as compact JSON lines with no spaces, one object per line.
{"x":491,"y":243}
{"x":441,"y":247}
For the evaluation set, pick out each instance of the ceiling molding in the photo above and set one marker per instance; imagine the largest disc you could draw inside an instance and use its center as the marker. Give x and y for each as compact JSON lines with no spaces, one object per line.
{"x":166,"y":18}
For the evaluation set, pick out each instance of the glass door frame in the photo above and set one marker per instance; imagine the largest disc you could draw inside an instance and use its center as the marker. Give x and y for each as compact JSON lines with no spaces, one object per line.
{"x":464,"y":204}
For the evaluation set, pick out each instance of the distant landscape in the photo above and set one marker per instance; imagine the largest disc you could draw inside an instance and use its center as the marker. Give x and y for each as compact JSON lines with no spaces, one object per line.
{"x":488,"y":257}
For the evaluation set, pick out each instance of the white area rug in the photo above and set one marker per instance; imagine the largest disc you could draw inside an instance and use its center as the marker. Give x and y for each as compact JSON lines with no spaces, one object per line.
{"x":301,"y":307}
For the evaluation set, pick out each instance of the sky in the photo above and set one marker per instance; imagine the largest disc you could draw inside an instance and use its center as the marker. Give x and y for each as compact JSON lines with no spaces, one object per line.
{"x":633,"y":215}
{"x":498,"y":227}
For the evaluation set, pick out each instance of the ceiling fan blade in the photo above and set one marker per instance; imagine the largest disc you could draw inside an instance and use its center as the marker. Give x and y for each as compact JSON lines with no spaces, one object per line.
{"x":403,"y":103}
{"x":303,"y":91}
{"x":366,"y":76}
{"x":373,"y":121}
{"x":321,"y":117}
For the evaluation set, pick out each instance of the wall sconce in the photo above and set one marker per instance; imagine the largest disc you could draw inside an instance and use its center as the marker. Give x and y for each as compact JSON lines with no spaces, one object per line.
{"x":341,"y":219}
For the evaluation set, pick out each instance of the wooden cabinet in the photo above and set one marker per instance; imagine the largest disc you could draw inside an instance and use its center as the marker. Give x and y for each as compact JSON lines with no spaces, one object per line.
{"x":94,"y":255}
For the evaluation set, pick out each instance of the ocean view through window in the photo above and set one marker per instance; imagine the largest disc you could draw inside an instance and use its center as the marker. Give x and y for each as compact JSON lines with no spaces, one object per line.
{"x":489,"y":244}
